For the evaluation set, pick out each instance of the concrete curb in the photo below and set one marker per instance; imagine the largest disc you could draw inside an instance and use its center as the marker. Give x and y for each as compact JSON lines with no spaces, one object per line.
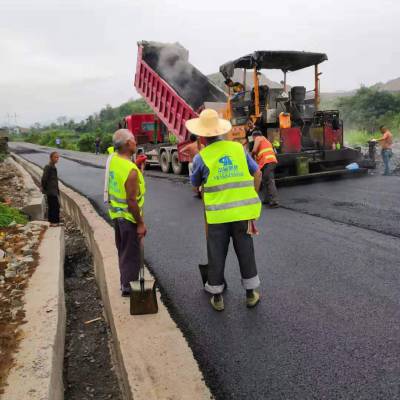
{"x":153,"y":358}
{"x":35,"y":206}
{"x":38,"y":370}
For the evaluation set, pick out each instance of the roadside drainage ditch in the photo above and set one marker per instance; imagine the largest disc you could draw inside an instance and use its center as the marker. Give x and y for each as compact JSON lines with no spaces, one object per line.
{"x":89,"y":372}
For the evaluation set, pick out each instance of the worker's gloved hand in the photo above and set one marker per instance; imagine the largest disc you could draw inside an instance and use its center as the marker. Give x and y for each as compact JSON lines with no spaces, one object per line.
{"x":141,"y":161}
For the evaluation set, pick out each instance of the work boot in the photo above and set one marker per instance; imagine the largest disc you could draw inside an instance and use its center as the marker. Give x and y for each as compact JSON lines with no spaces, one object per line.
{"x":274,"y":204}
{"x":252,"y":298}
{"x":217,"y":302}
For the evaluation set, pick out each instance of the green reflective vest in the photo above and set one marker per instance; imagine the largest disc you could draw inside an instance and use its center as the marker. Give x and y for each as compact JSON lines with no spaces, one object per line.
{"x":120,"y":168}
{"x":229,"y":193}
{"x":110,"y":150}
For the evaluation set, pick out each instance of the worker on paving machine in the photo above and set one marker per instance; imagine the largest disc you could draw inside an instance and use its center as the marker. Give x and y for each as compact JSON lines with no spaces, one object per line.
{"x":230,"y":180}
{"x":264,"y":154}
{"x":126,"y":189}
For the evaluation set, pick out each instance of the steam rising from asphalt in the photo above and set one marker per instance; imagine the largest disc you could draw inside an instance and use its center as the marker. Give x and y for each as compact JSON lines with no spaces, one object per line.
{"x":170,"y":61}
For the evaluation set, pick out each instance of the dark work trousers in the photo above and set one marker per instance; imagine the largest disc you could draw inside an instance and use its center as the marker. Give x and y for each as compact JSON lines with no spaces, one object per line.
{"x":268,"y":191}
{"x":219,"y":236}
{"x":53,"y":209}
{"x":127,"y":242}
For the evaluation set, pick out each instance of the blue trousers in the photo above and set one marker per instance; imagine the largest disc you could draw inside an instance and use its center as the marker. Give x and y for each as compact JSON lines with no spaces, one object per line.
{"x":386,"y":156}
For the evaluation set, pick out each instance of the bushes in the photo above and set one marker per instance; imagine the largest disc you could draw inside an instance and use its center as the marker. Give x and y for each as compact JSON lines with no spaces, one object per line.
{"x":369,"y":108}
{"x":106,"y":141}
{"x":86,"y":142}
{"x":358,"y":138}
{"x":48,"y":138}
{"x":9,"y":214}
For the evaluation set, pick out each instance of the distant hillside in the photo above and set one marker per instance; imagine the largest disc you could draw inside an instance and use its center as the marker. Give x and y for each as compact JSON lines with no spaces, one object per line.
{"x":390,"y":86}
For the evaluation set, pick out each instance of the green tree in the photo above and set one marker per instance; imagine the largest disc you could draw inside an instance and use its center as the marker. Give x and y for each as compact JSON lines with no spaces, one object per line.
{"x":369,"y":108}
{"x":86,"y":142}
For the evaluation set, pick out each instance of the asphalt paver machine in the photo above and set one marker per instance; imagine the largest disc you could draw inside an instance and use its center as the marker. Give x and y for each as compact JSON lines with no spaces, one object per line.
{"x":309,"y":141}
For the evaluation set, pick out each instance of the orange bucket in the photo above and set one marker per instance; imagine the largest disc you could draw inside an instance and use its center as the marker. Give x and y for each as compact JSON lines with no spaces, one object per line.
{"x":284,"y":120}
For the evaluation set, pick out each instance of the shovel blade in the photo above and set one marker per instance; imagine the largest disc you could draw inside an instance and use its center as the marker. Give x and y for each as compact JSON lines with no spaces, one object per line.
{"x":143,"y":297}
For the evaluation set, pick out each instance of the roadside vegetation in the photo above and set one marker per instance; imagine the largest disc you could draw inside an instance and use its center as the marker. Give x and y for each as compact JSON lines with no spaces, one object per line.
{"x":82,"y":135}
{"x":366,"y":111}
{"x":10,"y":215}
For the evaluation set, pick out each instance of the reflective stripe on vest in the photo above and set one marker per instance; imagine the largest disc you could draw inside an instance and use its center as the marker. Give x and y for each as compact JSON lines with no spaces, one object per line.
{"x":117,"y":199}
{"x":120,"y":168}
{"x":232,"y":185}
{"x":265,"y":153}
{"x":229,"y":193}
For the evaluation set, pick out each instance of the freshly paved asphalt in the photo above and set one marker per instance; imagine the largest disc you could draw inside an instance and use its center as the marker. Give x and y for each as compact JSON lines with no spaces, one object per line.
{"x":328,"y":326}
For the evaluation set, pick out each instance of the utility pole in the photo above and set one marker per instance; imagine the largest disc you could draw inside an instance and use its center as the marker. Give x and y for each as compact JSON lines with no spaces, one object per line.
{"x":16,"y":129}
{"x":8,"y":123}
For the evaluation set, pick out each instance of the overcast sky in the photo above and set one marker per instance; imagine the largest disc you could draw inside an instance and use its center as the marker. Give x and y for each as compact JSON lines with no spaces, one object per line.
{"x":73,"y":57}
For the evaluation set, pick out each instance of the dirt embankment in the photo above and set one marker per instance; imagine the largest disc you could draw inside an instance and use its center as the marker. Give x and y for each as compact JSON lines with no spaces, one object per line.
{"x":19,"y":245}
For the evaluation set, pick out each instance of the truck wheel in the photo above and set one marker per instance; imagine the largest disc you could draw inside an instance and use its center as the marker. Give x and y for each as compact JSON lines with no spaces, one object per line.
{"x":164,"y":162}
{"x":177,"y":166}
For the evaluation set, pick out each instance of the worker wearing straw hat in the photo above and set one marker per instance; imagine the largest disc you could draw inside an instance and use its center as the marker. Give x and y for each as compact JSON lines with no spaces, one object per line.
{"x":230,"y":180}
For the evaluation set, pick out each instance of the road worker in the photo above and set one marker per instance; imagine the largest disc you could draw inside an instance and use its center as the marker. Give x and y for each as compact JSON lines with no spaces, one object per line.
{"x":49,"y":187}
{"x":230,"y":180}
{"x":265,"y":156}
{"x":110,"y":150}
{"x":126,"y":189}
{"x":386,"y":142}
{"x":191,"y":150}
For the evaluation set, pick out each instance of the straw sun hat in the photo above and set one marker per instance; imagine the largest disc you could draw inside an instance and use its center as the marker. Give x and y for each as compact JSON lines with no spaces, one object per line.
{"x":208,"y":124}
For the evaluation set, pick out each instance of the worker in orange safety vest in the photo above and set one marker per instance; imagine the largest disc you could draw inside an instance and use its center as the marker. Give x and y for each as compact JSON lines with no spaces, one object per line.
{"x":263,"y":152}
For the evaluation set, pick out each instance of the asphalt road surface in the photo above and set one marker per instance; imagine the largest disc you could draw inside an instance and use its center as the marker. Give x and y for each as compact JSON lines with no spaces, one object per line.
{"x":328,"y":326}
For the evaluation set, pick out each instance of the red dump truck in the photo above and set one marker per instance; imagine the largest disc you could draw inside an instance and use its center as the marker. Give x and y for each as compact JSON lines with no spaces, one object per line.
{"x":176,"y":91}
{"x":310,"y":146}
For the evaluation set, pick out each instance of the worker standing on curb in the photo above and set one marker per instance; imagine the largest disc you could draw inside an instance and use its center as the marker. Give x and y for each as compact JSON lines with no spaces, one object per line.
{"x":126,"y":189}
{"x":386,"y":142}
{"x":49,"y":187}
{"x":265,"y":156}
{"x":230,"y":180}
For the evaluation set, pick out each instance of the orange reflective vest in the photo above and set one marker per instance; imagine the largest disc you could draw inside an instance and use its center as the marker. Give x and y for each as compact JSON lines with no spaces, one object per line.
{"x":265,"y":153}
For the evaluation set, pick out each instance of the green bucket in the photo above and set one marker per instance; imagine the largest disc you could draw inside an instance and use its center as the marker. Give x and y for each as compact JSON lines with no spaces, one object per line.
{"x":302,"y":166}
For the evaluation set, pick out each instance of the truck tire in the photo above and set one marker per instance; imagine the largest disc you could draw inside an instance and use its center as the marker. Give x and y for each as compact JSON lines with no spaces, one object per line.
{"x":177,"y":166}
{"x":164,"y":163}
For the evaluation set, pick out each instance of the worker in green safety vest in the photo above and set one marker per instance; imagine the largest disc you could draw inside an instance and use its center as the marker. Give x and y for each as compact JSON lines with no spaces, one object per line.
{"x":126,"y":189}
{"x":110,"y":150}
{"x":230,"y":180}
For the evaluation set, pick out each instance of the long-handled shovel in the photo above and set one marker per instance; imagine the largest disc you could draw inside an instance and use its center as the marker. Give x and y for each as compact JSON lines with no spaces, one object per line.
{"x":143,"y":291}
